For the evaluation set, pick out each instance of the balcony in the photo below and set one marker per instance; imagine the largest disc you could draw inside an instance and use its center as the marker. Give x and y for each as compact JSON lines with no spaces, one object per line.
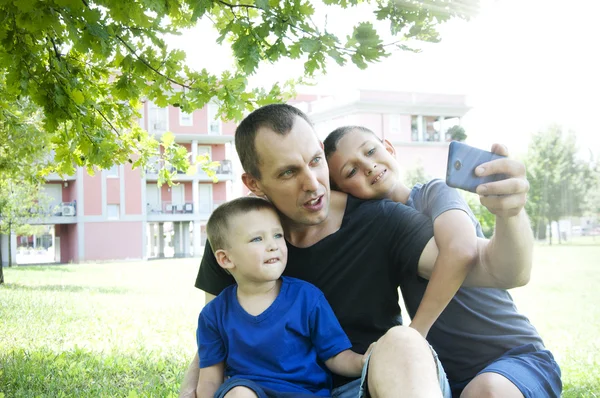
{"x":169,"y":211}
{"x":63,"y":213}
{"x":224,"y":173}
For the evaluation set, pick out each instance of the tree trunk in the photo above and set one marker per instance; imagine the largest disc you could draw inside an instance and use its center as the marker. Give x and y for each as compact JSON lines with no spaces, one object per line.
{"x":9,"y":245}
{"x":1,"y":266}
{"x":559,"y":233}
{"x":550,"y":232}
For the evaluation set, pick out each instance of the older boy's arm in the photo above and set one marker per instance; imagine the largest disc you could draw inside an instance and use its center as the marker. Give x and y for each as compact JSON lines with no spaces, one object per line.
{"x":455,"y":237}
{"x":210,"y":380}
{"x":190,"y":382}
{"x":507,"y":257}
{"x":504,"y":261}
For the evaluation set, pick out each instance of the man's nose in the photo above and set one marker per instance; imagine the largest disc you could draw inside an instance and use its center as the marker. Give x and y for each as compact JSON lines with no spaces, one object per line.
{"x":311,"y":184}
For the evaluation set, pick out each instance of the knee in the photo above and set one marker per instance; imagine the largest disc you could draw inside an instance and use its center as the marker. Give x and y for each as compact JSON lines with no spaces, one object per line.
{"x":240,"y":392}
{"x":491,"y":385}
{"x":402,"y":337}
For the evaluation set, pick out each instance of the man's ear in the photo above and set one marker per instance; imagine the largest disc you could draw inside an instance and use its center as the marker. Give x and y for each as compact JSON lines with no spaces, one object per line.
{"x":389,"y":147}
{"x":224,"y":260}
{"x":253,"y":184}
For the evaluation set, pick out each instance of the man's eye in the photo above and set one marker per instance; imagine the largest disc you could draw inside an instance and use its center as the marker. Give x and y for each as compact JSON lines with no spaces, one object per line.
{"x":287,"y":173}
{"x":372,"y":151}
{"x":257,"y":239}
{"x":278,"y":236}
{"x":351,"y":173}
{"x":315,"y":161}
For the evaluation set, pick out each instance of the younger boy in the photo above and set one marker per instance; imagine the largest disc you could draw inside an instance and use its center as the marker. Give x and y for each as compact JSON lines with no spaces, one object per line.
{"x":269,"y":335}
{"x":485,"y":345}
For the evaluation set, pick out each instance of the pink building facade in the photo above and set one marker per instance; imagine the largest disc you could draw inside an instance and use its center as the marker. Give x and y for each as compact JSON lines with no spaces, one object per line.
{"x":121,"y":213}
{"x":415,"y":123}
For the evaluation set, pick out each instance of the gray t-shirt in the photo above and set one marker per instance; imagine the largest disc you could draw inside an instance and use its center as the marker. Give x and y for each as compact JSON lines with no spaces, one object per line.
{"x":480,"y":324}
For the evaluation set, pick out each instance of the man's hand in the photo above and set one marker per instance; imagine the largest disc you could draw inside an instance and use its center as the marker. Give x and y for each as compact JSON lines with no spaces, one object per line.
{"x":504,"y":198}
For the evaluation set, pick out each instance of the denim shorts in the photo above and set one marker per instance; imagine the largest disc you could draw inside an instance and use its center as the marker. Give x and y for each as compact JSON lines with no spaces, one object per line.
{"x":534,"y":372}
{"x":359,"y":388}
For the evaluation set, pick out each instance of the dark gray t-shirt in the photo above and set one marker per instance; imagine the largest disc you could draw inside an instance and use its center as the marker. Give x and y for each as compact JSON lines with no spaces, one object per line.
{"x":480,"y":324}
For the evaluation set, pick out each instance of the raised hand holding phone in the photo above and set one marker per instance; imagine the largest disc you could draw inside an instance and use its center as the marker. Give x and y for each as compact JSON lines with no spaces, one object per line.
{"x":499,"y":181}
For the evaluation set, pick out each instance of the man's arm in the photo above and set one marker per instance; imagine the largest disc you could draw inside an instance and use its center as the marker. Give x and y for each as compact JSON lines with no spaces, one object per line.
{"x":190,"y":383}
{"x":456,"y":239}
{"x":505,"y":260}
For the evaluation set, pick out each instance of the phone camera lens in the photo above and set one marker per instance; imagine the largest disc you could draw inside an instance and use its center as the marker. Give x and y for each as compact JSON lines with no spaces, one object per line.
{"x":457,"y":164}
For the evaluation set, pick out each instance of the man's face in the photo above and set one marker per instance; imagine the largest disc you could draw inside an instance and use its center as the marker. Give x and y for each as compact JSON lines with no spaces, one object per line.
{"x":363,"y":166}
{"x":294,"y":174}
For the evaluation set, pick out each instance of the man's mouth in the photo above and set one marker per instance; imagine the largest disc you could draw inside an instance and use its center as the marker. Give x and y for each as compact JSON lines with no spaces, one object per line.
{"x":314,"y":202}
{"x":379,"y":176}
{"x":272,"y":260}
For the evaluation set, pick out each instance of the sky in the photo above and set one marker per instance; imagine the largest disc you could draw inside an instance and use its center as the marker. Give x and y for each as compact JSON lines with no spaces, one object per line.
{"x":522,"y":64}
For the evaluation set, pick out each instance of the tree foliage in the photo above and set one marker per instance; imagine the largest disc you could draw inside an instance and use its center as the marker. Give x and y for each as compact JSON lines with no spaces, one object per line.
{"x":86,"y":66}
{"x":559,"y":179}
{"x":457,"y":133}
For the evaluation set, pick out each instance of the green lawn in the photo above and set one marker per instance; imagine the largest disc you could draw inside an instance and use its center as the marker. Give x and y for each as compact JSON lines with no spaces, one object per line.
{"x":128,"y":329}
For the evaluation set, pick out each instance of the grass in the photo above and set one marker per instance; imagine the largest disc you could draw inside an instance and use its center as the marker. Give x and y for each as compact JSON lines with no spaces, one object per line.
{"x":127,"y":329}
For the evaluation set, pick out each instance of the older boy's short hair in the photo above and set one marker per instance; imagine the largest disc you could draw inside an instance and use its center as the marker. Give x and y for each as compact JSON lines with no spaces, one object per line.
{"x":217,"y":227}
{"x":331,"y":142}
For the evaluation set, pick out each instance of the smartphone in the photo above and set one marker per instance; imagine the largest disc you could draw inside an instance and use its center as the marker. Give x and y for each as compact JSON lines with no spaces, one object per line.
{"x":462,"y":162}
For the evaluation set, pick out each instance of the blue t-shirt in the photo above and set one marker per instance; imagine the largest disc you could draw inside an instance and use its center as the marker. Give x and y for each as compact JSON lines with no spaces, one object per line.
{"x":284,"y":348}
{"x":479,"y":324}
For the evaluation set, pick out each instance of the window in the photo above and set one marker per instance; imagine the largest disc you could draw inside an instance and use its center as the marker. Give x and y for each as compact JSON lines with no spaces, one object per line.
{"x":414,"y":127}
{"x":450,"y":122}
{"x":185,"y":119}
{"x":157,"y":118}
{"x":431,"y":128}
{"x":214,"y":123}
{"x":113,"y":171}
{"x":113,"y":212}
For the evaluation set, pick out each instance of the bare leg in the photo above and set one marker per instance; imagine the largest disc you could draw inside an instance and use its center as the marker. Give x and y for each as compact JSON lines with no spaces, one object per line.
{"x":240,"y":392}
{"x":490,"y":385}
{"x":402,"y":365}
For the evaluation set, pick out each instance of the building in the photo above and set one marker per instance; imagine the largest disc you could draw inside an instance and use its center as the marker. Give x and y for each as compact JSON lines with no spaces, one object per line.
{"x":415,"y":123}
{"x":122,"y":214}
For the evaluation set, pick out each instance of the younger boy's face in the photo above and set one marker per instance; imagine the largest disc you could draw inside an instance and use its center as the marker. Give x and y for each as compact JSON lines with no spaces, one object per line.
{"x":363,"y":166}
{"x":256,"y":247}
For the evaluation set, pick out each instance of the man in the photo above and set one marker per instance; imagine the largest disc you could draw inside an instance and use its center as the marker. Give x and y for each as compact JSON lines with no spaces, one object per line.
{"x":357,"y":252}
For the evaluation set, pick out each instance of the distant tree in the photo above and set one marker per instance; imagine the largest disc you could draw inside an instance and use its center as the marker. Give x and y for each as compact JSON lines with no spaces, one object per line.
{"x":416,"y":175}
{"x":457,"y":133}
{"x":88,"y":65}
{"x":559,"y":180}
{"x":486,"y":219}
{"x":19,"y":202}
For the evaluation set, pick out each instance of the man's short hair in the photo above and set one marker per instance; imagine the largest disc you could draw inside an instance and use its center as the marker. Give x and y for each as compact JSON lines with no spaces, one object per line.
{"x":278,"y":117}
{"x":331,"y":142}
{"x":217,"y":227}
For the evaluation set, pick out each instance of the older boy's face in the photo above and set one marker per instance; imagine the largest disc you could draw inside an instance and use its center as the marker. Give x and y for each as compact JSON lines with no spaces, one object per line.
{"x":294,"y":173}
{"x":363,"y":167}
{"x":256,"y":246}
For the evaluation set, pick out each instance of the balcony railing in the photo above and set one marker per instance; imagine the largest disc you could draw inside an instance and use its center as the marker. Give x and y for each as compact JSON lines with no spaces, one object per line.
{"x":225,"y":168}
{"x":64,"y":209}
{"x":170,"y":208}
